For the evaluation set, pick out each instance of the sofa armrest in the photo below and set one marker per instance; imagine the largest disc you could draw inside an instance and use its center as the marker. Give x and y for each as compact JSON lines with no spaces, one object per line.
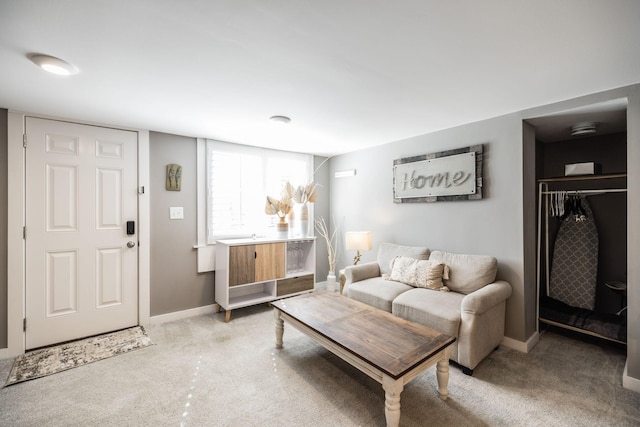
{"x":356,"y":273}
{"x":485,"y":298}
{"x":482,"y":322}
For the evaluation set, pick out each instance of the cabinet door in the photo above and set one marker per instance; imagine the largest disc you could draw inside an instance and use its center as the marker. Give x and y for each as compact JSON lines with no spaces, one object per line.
{"x":242,"y":261}
{"x":269,"y":261}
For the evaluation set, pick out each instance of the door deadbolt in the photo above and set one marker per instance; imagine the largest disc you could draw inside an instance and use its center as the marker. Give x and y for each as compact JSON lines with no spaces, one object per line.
{"x":131,"y":244}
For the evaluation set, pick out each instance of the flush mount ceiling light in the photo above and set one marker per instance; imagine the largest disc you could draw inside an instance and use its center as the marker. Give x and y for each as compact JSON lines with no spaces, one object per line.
{"x":280,"y":119}
{"x":584,"y":128}
{"x":53,"y":65}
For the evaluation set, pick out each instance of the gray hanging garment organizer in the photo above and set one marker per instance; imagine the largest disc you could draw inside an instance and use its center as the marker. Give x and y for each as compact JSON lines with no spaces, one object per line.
{"x":574,"y":267}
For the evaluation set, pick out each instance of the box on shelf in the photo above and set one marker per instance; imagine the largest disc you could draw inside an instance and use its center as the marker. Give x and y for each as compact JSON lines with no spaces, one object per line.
{"x":588,"y":168}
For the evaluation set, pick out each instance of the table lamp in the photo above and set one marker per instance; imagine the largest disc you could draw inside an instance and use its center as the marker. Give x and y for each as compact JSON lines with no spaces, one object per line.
{"x":358,"y":241}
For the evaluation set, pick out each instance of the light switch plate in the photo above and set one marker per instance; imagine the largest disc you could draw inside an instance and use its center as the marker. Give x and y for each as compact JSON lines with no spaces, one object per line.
{"x":176,"y":212}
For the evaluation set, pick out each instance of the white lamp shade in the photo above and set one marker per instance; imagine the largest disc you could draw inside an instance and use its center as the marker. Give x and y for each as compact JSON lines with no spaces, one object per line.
{"x":358,"y":240}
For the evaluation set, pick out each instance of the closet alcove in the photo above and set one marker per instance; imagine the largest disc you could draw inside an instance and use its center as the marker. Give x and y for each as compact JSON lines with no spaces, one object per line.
{"x":565,"y":270}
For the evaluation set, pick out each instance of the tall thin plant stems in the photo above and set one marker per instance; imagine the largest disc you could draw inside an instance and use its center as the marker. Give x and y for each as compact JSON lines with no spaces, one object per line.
{"x":331,"y":239}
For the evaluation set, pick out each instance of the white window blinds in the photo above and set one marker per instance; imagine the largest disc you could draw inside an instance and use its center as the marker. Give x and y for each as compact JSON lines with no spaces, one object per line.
{"x":238,"y":180}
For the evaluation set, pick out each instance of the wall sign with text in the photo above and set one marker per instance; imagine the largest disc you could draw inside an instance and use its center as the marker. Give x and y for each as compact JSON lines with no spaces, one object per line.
{"x":447,"y":175}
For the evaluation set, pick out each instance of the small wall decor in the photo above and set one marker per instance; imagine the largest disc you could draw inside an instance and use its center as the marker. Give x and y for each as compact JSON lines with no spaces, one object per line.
{"x":174,"y":177}
{"x":446,"y":175}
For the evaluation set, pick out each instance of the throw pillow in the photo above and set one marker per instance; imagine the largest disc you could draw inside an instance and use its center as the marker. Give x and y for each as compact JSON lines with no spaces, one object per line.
{"x":468,"y":272}
{"x":403,"y":270}
{"x":388,"y":251}
{"x":418,"y":273}
{"x":430,"y":274}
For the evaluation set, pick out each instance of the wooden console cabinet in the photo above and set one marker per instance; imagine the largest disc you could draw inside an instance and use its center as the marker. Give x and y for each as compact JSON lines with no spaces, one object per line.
{"x":254,"y":271}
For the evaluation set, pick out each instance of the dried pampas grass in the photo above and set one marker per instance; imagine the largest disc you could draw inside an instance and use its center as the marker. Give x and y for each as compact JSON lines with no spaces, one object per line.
{"x":283,"y":206}
{"x":280,"y":207}
{"x":305,"y":193}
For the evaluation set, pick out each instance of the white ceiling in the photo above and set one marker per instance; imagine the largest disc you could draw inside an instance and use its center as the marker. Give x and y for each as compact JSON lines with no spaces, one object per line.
{"x":350,"y":73}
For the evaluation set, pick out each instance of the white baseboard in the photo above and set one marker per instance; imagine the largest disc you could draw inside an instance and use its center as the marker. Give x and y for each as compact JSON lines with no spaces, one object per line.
{"x":628,"y":382}
{"x":523,"y":347}
{"x":184,"y":314}
{"x":4,"y":353}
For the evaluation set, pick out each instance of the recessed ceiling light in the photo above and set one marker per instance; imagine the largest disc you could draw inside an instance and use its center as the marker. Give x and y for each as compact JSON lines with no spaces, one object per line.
{"x":280,"y":119}
{"x":53,"y":65}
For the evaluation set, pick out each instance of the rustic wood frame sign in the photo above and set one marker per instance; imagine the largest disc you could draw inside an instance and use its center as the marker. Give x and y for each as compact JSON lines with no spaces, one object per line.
{"x":446,"y":175}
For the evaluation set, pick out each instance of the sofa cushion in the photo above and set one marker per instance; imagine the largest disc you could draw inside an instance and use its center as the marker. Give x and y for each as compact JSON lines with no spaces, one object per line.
{"x":388,"y":251}
{"x":417,"y":272}
{"x":437,"y":310}
{"x":467,"y":273}
{"x":377,"y":292}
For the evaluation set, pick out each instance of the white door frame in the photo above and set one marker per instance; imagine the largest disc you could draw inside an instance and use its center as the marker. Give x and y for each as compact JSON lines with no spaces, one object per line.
{"x":16,"y":221}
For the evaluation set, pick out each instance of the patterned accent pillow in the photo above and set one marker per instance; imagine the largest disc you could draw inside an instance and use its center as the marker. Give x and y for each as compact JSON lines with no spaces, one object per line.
{"x":418,"y":273}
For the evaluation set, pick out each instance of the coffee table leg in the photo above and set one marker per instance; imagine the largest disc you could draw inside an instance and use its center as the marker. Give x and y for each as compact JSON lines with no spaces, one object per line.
{"x":279,"y":327}
{"x":442,"y":373}
{"x":392,"y":389}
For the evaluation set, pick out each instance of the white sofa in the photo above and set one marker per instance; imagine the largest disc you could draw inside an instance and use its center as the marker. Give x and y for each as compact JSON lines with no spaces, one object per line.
{"x":471,"y":306}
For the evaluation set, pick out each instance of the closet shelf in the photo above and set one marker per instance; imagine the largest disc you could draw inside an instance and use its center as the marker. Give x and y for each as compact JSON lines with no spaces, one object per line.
{"x":583,"y":178}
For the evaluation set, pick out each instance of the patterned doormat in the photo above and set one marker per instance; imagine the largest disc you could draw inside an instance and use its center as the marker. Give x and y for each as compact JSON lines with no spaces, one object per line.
{"x":46,"y":361}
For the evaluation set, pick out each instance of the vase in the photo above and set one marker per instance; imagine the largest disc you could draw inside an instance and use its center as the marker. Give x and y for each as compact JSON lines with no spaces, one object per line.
{"x":283,"y":228}
{"x":304,"y":220}
{"x":331,"y":281}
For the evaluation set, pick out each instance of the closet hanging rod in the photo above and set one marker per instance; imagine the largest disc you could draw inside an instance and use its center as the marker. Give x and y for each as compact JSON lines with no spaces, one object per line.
{"x":592,"y":192}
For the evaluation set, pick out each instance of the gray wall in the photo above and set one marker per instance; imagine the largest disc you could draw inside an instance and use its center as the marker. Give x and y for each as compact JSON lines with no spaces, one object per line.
{"x":175,"y":283}
{"x":3,"y":228}
{"x":530,"y":175}
{"x":633,"y":233}
{"x":491,"y":226}
{"x":321,"y":208}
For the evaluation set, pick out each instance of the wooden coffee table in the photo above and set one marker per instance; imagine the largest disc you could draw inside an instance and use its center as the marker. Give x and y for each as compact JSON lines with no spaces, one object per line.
{"x":391,"y":350}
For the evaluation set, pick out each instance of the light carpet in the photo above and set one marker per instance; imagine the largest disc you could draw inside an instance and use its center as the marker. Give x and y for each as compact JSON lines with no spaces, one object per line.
{"x":205,"y":372}
{"x":51,"y":360}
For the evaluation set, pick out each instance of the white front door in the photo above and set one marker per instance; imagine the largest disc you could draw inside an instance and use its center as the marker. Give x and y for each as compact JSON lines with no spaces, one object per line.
{"x":81,"y":265}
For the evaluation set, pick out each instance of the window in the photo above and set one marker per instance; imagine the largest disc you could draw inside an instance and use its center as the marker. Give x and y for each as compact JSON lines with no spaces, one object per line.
{"x":239,"y":178}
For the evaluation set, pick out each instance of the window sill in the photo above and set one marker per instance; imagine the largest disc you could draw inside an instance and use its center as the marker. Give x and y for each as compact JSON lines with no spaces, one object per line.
{"x":206,"y":257}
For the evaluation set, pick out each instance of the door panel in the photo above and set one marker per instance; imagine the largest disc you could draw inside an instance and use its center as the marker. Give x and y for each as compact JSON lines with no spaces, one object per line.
{"x":108,"y":199}
{"x":61,"y":207}
{"x":62,"y":283}
{"x":81,"y":278}
{"x":109,"y":277}
{"x":61,"y":144}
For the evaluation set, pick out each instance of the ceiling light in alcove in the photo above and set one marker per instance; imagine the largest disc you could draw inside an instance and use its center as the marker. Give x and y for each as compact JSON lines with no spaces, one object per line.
{"x":280,"y":119}
{"x":53,"y":65}
{"x":584,"y":128}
